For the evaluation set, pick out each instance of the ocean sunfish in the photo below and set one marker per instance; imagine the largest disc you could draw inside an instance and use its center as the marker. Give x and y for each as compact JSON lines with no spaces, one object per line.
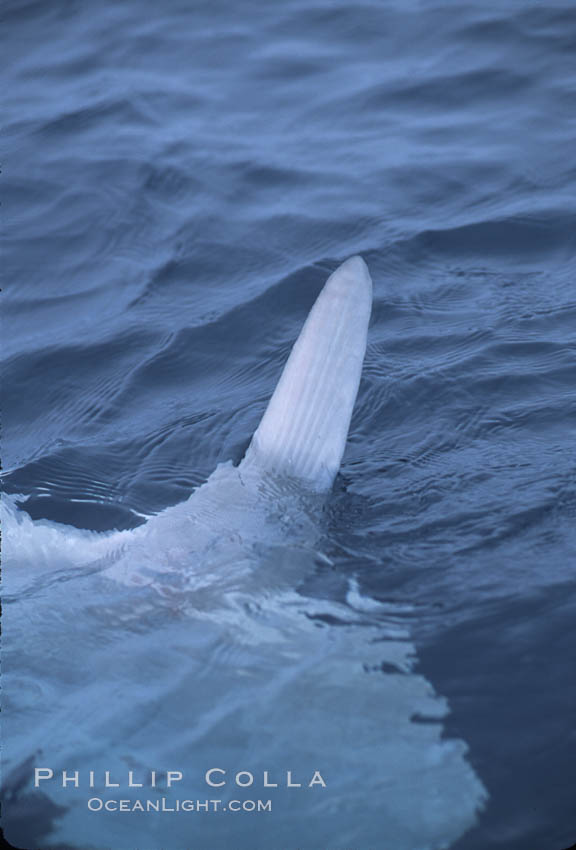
{"x":188,"y":645}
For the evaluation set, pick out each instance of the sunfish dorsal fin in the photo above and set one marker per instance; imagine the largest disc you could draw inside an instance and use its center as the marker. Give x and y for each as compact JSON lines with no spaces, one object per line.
{"x":303,"y":431}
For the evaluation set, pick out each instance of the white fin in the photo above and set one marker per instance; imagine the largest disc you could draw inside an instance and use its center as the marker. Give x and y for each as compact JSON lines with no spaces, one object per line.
{"x":303,"y":431}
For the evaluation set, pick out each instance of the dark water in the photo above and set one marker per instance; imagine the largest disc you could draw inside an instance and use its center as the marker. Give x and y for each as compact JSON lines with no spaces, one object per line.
{"x":179,"y":182}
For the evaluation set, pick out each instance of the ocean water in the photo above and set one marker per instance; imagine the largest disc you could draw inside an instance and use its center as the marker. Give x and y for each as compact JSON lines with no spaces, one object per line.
{"x":179,"y":182}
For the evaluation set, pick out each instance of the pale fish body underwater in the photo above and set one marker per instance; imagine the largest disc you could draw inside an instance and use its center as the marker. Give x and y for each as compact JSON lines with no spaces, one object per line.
{"x":187,"y":645}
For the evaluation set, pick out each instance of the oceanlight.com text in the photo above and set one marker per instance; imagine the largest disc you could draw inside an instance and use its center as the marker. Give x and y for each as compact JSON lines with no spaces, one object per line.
{"x":97,"y":804}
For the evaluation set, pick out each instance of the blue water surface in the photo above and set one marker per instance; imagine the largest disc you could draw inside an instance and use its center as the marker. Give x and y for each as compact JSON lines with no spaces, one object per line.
{"x":179,"y":181}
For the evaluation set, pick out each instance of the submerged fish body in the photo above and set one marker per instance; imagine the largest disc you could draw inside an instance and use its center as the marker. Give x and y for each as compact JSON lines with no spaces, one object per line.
{"x":222,"y":538}
{"x":186,"y":645}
